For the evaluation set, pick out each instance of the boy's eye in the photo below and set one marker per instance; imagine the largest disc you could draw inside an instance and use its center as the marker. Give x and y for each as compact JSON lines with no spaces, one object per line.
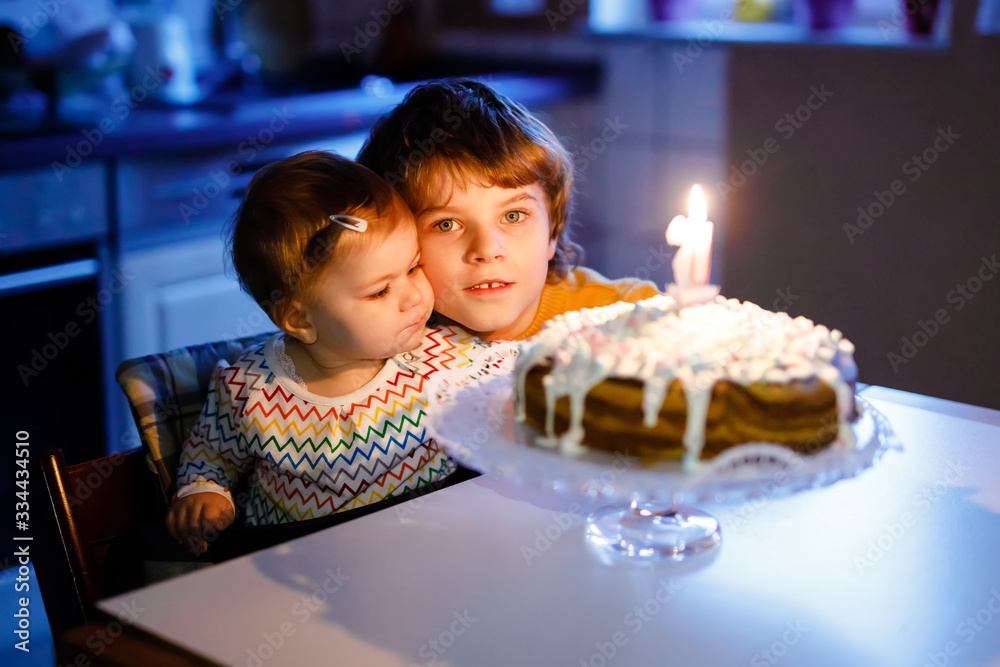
{"x":414,"y":270}
{"x":513,"y":216}
{"x":379,"y":294}
{"x":445,"y":225}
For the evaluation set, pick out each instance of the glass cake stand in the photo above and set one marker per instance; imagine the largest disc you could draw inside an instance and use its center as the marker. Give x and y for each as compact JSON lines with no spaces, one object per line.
{"x":643,"y":512}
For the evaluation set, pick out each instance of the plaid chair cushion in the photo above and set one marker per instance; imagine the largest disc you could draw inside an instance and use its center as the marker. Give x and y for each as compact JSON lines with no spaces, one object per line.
{"x":166,"y":392}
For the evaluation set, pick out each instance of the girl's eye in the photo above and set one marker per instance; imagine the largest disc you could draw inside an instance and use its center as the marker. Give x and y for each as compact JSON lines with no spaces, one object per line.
{"x":513,"y":216}
{"x":414,"y":270}
{"x":445,"y":225}
{"x":379,"y":294}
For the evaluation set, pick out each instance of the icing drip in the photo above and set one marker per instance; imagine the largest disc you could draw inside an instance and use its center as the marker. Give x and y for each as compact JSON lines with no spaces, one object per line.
{"x":655,"y":342}
{"x":550,"y":406}
{"x":698,"y":399}
{"x":569,"y":444}
{"x":519,"y":413}
{"x":654,"y":391}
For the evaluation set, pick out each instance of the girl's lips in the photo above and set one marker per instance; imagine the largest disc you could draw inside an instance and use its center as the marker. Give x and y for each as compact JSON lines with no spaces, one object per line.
{"x":417,"y":324}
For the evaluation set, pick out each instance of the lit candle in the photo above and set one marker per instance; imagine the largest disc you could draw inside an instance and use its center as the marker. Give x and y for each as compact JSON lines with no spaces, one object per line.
{"x":692,"y":263}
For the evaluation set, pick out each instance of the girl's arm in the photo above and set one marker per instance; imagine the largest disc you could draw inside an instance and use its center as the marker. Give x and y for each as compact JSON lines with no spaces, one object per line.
{"x":212,"y":460}
{"x":215,"y":451}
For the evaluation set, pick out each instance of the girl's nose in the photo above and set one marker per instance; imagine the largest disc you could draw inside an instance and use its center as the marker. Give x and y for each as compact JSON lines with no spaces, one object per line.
{"x":412,"y":297}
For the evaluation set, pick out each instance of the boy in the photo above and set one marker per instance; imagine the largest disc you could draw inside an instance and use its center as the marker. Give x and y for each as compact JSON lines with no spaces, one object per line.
{"x":490,"y":187}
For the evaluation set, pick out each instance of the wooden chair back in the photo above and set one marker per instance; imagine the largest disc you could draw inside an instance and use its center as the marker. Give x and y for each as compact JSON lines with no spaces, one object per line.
{"x":92,"y":504}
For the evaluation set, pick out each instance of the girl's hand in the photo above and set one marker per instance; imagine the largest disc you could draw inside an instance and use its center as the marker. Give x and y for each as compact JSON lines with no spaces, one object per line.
{"x":194,"y":520}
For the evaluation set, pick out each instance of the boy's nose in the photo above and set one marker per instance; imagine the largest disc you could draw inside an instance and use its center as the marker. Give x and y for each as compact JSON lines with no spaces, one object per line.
{"x":487,"y":246}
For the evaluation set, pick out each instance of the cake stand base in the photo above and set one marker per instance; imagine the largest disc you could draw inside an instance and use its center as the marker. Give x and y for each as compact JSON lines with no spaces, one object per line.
{"x":648,"y":532}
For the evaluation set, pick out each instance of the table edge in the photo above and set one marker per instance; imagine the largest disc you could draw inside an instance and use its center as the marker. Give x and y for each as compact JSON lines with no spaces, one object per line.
{"x":932,"y":404}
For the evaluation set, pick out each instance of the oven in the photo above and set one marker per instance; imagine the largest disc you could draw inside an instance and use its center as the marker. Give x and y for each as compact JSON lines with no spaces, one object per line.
{"x":56,"y":380}
{"x":58,"y":370}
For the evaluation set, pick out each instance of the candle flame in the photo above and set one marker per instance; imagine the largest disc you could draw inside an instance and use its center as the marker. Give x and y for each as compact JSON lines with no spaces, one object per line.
{"x":697,"y":209}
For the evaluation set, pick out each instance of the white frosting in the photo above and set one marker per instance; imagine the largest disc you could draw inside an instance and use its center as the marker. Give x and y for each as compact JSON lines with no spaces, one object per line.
{"x":655,"y":342}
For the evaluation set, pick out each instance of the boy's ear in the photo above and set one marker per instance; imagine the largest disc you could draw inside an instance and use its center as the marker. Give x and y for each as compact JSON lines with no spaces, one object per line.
{"x":552,"y":248}
{"x":295,"y":322}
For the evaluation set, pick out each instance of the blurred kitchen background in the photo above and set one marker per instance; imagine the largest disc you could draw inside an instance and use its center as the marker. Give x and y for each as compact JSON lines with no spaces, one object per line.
{"x":849,"y":150}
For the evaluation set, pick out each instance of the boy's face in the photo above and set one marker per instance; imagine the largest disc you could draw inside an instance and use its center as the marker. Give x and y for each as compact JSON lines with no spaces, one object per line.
{"x":485,"y":251}
{"x":374,"y":303}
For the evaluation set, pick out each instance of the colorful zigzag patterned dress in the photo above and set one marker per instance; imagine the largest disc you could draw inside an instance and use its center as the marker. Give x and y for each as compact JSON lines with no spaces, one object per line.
{"x":312,"y":455}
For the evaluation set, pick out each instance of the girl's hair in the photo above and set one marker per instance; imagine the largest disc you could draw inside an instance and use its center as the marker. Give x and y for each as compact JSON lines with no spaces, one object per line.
{"x":282,"y":235}
{"x":467,"y":130}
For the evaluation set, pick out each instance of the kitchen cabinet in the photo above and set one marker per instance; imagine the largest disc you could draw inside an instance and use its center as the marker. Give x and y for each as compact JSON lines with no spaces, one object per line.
{"x":43,"y":207}
{"x":179,"y":295}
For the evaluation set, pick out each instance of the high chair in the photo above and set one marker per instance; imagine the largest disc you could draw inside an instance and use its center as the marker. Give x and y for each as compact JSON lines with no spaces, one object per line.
{"x":166,"y":392}
{"x":122,"y":499}
{"x":92,"y":504}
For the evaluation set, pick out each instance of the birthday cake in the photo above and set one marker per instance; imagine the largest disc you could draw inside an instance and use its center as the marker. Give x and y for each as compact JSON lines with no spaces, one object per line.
{"x":660,"y":382}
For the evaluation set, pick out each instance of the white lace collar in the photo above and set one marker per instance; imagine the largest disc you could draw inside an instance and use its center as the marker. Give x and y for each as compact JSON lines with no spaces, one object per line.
{"x":286,"y":363}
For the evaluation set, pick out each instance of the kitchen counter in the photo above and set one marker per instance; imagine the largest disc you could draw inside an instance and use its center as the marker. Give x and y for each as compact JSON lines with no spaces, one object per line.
{"x":151,"y":128}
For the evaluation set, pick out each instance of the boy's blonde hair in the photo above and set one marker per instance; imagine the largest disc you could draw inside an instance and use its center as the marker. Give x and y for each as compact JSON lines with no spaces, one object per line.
{"x":282,"y":235}
{"x":466,"y":130}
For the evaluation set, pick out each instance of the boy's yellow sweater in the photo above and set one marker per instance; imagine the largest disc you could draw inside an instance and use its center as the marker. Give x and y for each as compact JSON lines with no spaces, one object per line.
{"x":585,"y":288}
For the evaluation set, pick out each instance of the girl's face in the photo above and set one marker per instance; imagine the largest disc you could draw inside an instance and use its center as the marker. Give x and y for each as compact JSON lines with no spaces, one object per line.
{"x":372,"y":305}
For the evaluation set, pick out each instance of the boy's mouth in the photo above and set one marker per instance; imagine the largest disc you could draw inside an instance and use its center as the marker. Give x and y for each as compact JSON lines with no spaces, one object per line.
{"x":489,"y":285}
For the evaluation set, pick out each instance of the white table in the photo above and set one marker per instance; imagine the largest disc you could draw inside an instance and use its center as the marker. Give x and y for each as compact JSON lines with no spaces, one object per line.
{"x":899,"y":566}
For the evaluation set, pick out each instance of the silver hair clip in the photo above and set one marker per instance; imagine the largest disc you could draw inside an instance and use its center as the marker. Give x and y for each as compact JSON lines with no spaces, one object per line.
{"x":350,"y":222}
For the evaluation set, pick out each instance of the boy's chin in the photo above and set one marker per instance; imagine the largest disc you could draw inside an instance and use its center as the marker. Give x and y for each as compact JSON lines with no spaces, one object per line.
{"x":487,"y":327}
